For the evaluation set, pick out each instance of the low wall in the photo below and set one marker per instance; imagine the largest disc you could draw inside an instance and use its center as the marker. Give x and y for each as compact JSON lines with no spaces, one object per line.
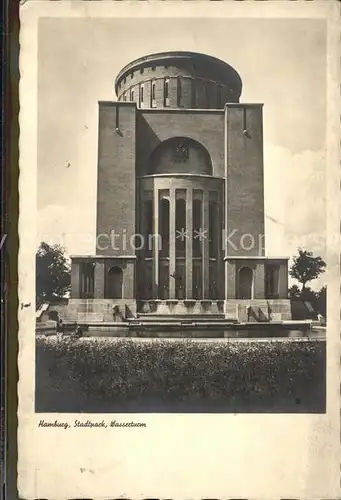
{"x":258,"y":309}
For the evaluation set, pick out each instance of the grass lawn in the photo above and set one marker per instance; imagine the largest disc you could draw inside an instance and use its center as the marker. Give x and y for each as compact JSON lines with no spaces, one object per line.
{"x":100,"y":375}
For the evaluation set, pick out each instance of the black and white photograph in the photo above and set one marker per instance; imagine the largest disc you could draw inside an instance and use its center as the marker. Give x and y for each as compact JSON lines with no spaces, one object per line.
{"x":175,"y":198}
{"x":180,"y":236}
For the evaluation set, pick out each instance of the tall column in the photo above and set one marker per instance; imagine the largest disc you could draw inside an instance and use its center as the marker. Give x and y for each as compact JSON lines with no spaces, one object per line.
{"x":141,"y":285}
{"x":75,"y":280}
{"x":156,"y":245}
{"x":205,"y":246}
{"x":189,"y":244}
{"x":99,"y":280}
{"x":172,"y":239}
{"x":220,"y":243}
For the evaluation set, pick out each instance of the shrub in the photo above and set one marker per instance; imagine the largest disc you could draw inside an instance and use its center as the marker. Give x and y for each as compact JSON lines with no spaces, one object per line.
{"x":156,"y":375}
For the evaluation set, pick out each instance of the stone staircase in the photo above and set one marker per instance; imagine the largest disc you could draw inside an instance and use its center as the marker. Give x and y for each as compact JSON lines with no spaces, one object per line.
{"x":183,"y":319}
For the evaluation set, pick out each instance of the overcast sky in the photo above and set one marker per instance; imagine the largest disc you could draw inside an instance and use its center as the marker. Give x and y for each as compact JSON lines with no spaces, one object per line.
{"x":282,"y":64}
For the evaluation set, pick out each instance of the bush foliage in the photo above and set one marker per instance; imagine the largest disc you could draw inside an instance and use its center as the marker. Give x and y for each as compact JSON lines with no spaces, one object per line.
{"x":185,"y":375}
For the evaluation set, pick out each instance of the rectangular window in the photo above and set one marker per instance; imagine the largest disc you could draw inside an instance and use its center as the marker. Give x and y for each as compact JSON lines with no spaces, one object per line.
{"x":132,"y":95}
{"x":141,"y":94}
{"x":194,"y":94}
{"x":179,"y":92}
{"x":153,"y":95}
{"x":124,"y":97}
{"x":166,"y":91}
{"x":87,"y":278}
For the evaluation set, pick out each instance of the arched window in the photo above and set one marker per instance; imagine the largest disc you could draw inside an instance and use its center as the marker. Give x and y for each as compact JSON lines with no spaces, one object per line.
{"x":166,"y":92}
{"x":141,"y":95}
{"x":180,"y":227}
{"x":179,"y":90}
{"x":180,"y":155}
{"x":153,"y":95}
{"x":164,"y":226}
{"x":115,"y":283}
{"x":245,"y":283}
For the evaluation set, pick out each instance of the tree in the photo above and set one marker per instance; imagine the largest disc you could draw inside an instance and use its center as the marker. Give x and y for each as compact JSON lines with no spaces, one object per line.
{"x":321,"y":301}
{"x":294,"y":292}
{"x":307,"y":294}
{"x":306,"y":267}
{"x":53,"y":273}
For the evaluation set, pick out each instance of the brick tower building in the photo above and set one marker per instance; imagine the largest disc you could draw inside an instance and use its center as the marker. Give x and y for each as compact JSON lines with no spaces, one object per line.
{"x":180,"y":199}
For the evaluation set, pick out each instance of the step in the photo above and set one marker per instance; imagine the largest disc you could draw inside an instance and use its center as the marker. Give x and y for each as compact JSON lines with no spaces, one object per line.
{"x":158,"y":317}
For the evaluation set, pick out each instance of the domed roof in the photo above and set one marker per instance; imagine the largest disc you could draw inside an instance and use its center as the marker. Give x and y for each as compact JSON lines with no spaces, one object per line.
{"x":200,"y":65}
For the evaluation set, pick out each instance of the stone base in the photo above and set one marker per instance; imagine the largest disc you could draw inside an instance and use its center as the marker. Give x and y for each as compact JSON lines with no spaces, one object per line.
{"x":121,"y":310}
{"x":258,"y":310}
{"x":95,"y":310}
{"x":173,"y":307}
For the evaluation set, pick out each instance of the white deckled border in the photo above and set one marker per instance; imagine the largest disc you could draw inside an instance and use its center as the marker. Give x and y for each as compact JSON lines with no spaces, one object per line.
{"x":176,"y":456}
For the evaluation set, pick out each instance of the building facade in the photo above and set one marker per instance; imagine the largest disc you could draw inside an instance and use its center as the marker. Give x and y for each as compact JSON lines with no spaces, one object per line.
{"x":180,"y":199}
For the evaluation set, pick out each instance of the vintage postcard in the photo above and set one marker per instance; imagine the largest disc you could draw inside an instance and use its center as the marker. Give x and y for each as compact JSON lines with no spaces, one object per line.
{"x":179,"y":273}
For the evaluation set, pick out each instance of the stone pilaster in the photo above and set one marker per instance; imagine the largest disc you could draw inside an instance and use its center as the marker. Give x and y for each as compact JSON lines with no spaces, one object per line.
{"x":230,"y":279}
{"x":220,"y":243}
{"x":156,"y":245}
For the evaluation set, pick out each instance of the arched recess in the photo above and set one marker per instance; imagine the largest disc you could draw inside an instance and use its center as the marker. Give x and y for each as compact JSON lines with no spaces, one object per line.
{"x":245,"y":283}
{"x":115,"y":283}
{"x":180,"y":155}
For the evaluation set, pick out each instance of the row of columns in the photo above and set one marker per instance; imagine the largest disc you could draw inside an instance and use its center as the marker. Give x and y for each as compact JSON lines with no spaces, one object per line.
{"x":189,"y":244}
